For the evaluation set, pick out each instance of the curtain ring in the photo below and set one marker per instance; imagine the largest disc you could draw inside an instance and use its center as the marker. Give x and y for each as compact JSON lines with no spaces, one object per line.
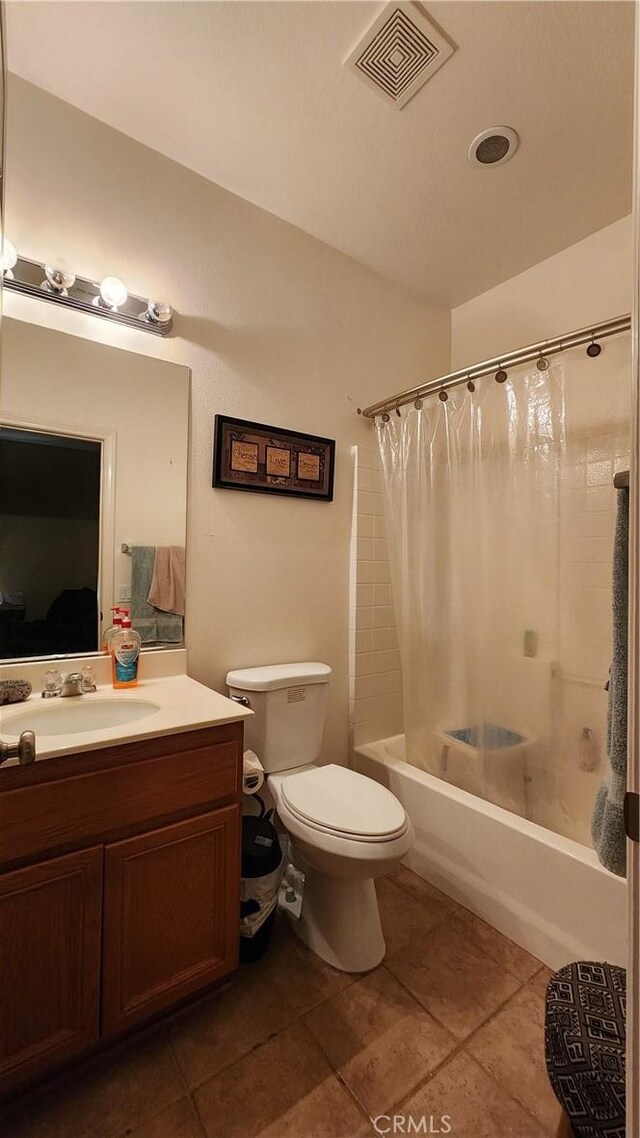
{"x":542,"y":362}
{"x":418,"y":404}
{"x":501,"y":375}
{"x":442,"y":395}
{"x":385,"y":417}
{"x":398,"y":411}
{"x":594,"y":349}
{"x":470,"y":385}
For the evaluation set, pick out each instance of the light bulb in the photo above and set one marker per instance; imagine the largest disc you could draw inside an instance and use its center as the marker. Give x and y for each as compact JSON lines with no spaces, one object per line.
{"x":9,"y":256}
{"x":158,"y":312}
{"x":60,"y":278}
{"x":113,"y":292}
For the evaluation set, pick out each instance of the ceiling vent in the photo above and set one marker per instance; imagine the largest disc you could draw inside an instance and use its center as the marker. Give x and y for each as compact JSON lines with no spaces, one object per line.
{"x":399,"y":52}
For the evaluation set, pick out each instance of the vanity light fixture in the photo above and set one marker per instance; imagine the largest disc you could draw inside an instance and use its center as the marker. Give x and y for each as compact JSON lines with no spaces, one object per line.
{"x":58,"y":279}
{"x":158,"y":312}
{"x":9,"y":258}
{"x":110,"y":299}
{"x":113,"y":293}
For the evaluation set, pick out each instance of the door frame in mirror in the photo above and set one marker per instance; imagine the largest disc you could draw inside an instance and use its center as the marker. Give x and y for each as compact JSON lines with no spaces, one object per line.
{"x":106,"y":553}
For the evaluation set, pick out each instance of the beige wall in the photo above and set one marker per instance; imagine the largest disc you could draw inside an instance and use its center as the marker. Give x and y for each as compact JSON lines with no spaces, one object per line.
{"x":587,"y":282}
{"x":275,"y":327}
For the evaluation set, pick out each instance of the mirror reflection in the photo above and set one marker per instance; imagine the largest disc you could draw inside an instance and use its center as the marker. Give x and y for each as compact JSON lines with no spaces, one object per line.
{"x":93,"y":463}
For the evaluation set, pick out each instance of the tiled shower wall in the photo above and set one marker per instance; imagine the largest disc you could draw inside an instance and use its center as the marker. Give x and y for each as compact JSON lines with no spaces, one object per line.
{"x":375,"y":679}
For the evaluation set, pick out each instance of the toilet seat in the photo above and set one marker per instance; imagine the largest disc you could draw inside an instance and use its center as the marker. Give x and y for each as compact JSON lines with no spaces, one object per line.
{"x":335,"y":800}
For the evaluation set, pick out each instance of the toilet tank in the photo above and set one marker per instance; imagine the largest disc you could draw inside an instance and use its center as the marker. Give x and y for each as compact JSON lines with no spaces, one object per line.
{"x":288,"y":702}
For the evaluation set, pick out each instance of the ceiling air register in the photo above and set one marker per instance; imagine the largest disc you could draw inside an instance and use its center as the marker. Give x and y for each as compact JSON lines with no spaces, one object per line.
{"x":399,"y":52}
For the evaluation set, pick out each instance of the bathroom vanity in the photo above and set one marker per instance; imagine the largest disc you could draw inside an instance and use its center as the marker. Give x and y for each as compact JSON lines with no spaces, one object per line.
{"x":119,"y":873}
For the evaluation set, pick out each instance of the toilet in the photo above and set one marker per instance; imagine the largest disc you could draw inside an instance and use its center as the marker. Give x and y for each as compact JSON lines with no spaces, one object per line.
{"x":345,"y":829}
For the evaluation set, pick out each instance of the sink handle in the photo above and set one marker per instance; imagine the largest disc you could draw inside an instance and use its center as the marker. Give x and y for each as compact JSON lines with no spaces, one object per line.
{"x":24,"y":750}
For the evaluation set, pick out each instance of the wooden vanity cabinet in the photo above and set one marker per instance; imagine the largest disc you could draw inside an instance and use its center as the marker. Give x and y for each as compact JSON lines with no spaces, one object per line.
{"x":119,"y":891}
{"x":171,"y":915}
{"x":50,"y":933}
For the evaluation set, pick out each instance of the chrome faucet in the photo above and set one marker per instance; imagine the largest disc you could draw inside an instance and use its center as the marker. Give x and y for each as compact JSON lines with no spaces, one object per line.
{"x":75,"y":683}
{"x":72,"y":684}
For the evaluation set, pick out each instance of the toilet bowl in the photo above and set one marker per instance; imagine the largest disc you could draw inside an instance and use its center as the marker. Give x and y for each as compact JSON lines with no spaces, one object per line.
{"x":345,"y":829}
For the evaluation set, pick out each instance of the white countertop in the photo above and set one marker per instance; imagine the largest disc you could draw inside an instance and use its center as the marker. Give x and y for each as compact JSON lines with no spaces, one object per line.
{"x":184,"y":705}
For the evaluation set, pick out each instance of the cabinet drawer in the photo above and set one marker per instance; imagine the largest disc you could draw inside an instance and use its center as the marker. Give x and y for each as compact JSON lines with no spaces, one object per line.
{"x":86,"y":808}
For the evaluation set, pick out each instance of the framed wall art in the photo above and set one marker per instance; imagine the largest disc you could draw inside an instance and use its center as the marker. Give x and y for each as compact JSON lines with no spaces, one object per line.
{"x":272,"y":460}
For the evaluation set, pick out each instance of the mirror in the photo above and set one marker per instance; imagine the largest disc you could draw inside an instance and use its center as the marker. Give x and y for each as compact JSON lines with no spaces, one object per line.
{"x":93,"y":484}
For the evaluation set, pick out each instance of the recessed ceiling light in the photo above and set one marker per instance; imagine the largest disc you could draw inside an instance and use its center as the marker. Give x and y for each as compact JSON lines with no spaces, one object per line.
{"x":493,"y":147}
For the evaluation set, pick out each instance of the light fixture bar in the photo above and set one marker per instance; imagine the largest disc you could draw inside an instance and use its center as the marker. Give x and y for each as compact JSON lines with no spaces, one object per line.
{"x":83,"y":295}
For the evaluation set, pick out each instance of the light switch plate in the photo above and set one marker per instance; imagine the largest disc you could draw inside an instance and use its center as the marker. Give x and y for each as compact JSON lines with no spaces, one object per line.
{"x":123,"y":593}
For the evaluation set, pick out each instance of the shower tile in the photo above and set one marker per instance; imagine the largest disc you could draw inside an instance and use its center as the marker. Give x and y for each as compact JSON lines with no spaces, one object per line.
{"x":363,"y":617}
{"x":385,"y":639}
{"x":379,"y":706}
{"x":367,"y":572}
{"x":382,"y":593}
{"x":369,"y":481}
{"x":380,"y":527}
{"x":383,"y":617}
{"x":381,"y":572}
{"x":379,"y":1039}
{"x":385,"y":683}
{"x":453,"y":979}
{"x":368,"y":458}
{"x":366,"y":548}
{"x":366,"y":525}
{"x":364,"y":595}
{"x":511,"y":1049}
{"x":497,"y":946}
{"x":475,"y":1105}
{"x":377,"y":729}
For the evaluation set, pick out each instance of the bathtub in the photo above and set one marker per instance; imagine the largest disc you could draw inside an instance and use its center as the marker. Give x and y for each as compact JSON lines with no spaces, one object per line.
{"x":546,"y":892}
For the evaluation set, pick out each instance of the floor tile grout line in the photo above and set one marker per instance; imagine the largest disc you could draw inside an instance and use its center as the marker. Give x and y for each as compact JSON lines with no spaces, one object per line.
{"x":476,"y":946}
{"x":508,"y":1093}
{"x":460,"y":1047}
{"x":455,"y":913}
{"x":334,"y":1070}
{"x":187,"y":1090}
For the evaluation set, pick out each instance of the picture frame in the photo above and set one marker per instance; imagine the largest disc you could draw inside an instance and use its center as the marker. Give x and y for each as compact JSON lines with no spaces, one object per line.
{"x":262,"y":459}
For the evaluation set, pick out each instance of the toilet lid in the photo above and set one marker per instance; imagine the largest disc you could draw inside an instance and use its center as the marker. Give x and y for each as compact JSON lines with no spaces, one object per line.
{"x":341,"y":800}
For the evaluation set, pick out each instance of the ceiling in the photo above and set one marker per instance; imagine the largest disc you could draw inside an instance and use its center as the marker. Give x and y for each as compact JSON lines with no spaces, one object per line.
{"x":255,"y":97}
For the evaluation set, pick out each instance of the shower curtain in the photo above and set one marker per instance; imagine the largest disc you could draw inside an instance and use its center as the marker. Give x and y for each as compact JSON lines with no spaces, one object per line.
{"x":500,"y":515}
{"x":472,"y":491}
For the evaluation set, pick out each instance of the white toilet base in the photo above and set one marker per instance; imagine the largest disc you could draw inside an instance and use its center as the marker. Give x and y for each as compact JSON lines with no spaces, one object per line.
{"x":340,"y":921}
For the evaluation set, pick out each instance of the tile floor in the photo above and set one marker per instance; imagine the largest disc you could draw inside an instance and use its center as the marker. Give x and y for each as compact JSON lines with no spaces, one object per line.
{"x":450,"y":1025}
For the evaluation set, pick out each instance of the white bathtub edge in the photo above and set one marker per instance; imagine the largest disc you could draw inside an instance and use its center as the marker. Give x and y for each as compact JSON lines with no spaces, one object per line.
{"x":547,"y":893}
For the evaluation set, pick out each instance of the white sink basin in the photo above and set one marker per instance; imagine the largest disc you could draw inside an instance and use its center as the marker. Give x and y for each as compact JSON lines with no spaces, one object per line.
{"x":76,"y":715}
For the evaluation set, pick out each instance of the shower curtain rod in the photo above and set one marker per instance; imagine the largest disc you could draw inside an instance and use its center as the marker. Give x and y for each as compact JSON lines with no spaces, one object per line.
{"x":593,"y":332}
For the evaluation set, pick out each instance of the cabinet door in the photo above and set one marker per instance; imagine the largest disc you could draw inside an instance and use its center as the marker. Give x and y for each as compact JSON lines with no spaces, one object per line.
{"x":49,"y":963}
{"x":171,"y":915}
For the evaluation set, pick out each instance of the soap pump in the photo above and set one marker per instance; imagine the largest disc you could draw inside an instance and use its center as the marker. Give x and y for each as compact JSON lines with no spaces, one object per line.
{"x":125,"y":652}
{"x":115,"y":627}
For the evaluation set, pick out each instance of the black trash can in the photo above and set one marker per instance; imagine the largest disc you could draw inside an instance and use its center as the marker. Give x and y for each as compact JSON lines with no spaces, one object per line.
{"x":262,"y":869}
